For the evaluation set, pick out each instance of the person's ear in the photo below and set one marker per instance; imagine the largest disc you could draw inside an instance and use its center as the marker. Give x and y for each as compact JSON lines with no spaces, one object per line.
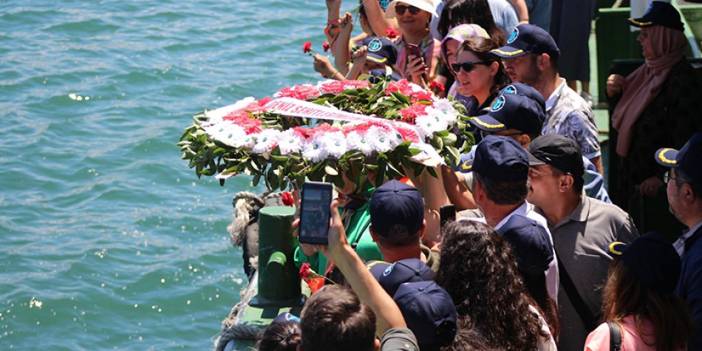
{"x":494,"y":67}
{"x":687,"y":193}
{"x":566,"y":183}
{"x":422,"y":229}
{"x":543,"y":61}
{"x":523,"y":139}
{"x":373,"y":233}
{"x":376,"y":344}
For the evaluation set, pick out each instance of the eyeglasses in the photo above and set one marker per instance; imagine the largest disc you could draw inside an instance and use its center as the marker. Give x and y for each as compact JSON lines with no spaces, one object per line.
{"x":400,"y":9}
{"x":467,"y":66}
{"x":667,"y":176}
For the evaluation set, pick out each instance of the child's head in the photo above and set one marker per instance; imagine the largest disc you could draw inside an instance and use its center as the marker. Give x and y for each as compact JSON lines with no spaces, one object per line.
{"x":281,"y":335}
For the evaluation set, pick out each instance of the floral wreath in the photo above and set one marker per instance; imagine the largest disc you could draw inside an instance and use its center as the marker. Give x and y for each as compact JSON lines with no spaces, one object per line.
{"x":331,"y":131}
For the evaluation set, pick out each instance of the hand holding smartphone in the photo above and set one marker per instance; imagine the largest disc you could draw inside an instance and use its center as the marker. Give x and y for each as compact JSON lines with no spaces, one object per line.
{"x":315,"y":213}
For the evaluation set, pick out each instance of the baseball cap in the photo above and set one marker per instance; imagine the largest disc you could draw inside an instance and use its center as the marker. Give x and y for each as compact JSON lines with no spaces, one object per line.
{"x":687,"y":160}
{"x":396,"y":203}
{"x":530,"y":244}
{"x":424,"y":5}
{"x":429,"y":312}
{"x":524,"y":90}
{"x":525,"y":39}
{"x":512,"y":111}
{"x":561,"y":152}
{"x":659,"y":13}
{"x":652,"y":259}
{"x":501,"y":158}
{"x":392,"y":275}
{"x":380,"y":50}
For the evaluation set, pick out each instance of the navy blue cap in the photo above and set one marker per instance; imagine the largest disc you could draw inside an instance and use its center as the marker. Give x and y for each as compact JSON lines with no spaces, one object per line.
{"x":429,"y":312}
{"x":512,"y":111}
{"x":502,"y":159}
{"x":380,"y":50}
{"x":465,"y":164}
{"x":392,"y":275}
{"x":528,"y":39}
{"x":530,"y":242}
{"x":524,"y":90}
{"x":659,"y":13}
{"x":653,"y":259}
{"x":687,"y":160}
{"x":558,"y":151}
{"x":396,"y":203}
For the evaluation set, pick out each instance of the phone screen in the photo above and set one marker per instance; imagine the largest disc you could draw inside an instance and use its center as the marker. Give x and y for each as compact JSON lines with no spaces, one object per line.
{"x":314,"y":213}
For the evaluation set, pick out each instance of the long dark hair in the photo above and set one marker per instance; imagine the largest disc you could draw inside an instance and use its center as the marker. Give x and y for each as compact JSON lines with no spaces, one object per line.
{"x":624,"y":295}
{"x":479,"y":272}
{"x":536,"y":288}
{"x":457,"y":12}
{"x":480,"y":47}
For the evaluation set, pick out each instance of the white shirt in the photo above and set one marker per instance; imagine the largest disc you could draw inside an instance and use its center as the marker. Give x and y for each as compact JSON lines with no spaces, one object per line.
{"x":679,"y":244}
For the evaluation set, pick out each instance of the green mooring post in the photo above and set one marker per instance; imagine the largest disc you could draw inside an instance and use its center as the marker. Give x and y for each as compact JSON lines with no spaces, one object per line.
{"x":278,"y":279}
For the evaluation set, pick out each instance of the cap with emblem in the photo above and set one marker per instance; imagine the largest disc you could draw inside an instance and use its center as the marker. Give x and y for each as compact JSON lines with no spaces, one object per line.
{"x":501,"y":159}
{"x":528,"y":39}
{"x":687,"y":160}
{"x":512,"y":111}
{"x":522,"y":89}
{"x":659,"y":13}
{"x":380,"y":50}
{"x":392,"y":275}
{"x":558,"y":151}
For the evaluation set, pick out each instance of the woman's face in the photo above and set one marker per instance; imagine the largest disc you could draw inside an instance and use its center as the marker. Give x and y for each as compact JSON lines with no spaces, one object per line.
{"x":451,"y":49}
{"x":479,"y":79}
{"x":411,"y":19}
{"x":646,"y":44}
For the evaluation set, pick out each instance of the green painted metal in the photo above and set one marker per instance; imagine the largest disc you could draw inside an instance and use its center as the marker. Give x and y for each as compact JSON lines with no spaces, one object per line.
{"x":278,"y":280}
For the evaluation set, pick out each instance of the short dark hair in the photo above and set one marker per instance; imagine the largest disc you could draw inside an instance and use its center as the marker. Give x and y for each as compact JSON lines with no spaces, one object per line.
{"x":503,"y":193}
{"x":457,"y":12}
{"x":397,"y":236}
{"x":335,"y":319}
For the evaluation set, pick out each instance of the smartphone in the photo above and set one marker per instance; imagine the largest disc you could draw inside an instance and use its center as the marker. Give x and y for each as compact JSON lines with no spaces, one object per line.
{"x":447,"y":214}
{"x":314,"y":213}
{"x":414,"y":50}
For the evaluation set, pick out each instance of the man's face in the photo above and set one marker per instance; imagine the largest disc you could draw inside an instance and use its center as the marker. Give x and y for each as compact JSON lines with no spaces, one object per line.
{"x":674,"y":194}
{"x":543,"y":184}
{"x":522,"y":69}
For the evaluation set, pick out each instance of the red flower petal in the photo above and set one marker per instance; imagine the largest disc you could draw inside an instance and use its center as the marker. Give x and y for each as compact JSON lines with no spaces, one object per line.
{"x":307,"y":47}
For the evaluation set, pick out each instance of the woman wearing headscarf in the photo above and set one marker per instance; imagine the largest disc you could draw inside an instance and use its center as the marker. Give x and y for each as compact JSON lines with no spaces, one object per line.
{"x":658,"y":105}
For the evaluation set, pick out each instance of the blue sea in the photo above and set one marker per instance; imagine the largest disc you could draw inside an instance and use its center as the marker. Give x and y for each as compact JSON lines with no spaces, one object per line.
{"x":107,"y":239}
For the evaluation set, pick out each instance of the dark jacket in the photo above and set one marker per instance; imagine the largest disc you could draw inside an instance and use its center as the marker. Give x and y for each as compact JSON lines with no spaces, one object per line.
{"x":690,"y":285}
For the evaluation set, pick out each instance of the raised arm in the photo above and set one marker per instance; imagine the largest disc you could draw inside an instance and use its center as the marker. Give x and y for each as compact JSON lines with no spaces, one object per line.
{"x":376,"y":17}
{"x":521,"y":9}
{"x":358,"y":276}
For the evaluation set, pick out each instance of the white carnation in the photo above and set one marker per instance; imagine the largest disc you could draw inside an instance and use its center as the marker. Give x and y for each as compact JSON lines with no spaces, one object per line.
{"x":289,"y":142}
{"x":382,"y":140}
{"x":314,"y":152}
{"x":445,"y":110}
{"x":358,"y":141}
{"x":266,"y":140}
{"x":429,"y":124}
{"x":334,"y":143}
{"x":229,"y":134}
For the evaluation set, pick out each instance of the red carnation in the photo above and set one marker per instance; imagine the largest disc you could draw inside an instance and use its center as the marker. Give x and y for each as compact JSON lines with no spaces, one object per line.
{"x":287,"y":198}
{"x":391,"y":33}
{"x":313,"y":280}
{"x":436,"y":86}
{"x":307,"y":47}
{"x":409,"y":114}
{"x":305,"y":271}
{"x":326,"y":46}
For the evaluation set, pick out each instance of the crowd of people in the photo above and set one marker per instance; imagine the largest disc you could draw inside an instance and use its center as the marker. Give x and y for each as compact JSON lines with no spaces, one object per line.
{"x":537,"y":257}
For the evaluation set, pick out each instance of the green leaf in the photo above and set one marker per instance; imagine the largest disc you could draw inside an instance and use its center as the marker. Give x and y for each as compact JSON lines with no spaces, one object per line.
{"x":431,"y":171}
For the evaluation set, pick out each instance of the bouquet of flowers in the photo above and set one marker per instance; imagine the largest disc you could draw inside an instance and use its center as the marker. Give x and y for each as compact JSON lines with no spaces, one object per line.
{"x":334,"y":131}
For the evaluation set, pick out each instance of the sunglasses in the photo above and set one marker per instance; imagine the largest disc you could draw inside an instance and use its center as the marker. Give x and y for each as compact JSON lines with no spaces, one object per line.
{"x":468,"y":66}
{"x":400,"y":9}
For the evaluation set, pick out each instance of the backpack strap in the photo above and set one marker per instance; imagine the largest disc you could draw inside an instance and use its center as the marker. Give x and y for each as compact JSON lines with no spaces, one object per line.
{"x":615,"y":336}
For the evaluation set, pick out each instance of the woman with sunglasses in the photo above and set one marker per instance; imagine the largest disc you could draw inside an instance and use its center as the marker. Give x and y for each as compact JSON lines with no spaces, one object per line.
{"x":479,"y":74}
{"x":418,"y":51}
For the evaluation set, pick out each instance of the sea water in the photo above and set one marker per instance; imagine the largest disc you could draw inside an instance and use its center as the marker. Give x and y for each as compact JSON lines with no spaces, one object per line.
{"x":107,"y":239}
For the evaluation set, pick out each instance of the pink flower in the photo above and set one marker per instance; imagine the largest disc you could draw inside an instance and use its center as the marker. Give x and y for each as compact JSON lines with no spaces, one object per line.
{"x":337,"y":87}
{"x":410,"y":114}
{"x":408,"y":134}
{"x":326,"y":46}
{"x":307,"y":47}
{"x":300,"y":92}
{"x":243,"y":120}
